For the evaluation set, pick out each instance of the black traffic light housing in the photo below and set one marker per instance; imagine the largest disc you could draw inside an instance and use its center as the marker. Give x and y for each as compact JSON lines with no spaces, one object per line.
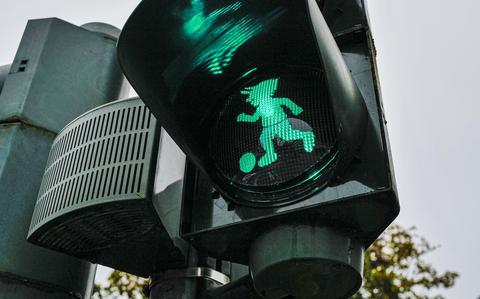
{"x":215,"y":74}
{"x":194,"y":63}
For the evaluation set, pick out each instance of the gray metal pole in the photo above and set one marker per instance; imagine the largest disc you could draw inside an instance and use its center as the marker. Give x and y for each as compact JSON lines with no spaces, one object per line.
{"x":3,"y":74}
{"x":59,"y":72}
{"x":191,"y":282}
{"x":175,"y":284}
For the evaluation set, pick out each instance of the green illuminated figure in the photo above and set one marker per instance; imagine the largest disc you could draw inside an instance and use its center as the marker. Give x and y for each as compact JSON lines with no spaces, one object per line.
{"x":274,"y":122}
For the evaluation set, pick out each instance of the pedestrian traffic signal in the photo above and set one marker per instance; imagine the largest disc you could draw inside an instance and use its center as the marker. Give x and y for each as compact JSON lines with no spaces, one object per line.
{"x":278,"y":108}
{"x":269,"y":140}
{"x":262,"y":103}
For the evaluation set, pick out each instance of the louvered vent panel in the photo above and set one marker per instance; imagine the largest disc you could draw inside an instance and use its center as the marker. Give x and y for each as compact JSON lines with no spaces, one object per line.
{"x":100,"y":156}
{"x":96,"y":189}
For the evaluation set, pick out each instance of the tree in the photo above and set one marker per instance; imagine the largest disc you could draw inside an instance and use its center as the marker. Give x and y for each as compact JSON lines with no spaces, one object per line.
{"x":394,"y":269}
{"x":121,"y":285}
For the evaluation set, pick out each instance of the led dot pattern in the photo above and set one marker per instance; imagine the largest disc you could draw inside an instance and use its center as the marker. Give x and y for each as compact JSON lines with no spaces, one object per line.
{"x":274,"y":131}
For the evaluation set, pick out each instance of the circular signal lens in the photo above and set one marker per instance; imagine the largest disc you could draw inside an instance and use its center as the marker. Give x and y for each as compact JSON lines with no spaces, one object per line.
{"x":275,"y":134}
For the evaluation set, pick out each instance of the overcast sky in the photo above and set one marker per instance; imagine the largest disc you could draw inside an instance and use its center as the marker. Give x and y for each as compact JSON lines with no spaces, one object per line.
{"x":428,"y":65}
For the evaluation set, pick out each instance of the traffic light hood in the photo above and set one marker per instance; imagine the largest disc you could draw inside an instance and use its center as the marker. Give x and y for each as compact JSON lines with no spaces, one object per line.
{"x":256,"y":93}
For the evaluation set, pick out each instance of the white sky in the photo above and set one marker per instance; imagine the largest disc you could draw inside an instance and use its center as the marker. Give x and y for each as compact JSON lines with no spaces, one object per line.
{"x":428,"y":65}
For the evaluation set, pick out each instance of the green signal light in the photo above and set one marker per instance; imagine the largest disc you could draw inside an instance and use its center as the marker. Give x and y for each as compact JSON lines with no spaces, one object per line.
{"x":249,"y":72}
{"x":275,"y":122}
{"x":226,"y":37}
{"x":197,"y":22}
{"x":234,"y":35}
{"x":247,"y":162}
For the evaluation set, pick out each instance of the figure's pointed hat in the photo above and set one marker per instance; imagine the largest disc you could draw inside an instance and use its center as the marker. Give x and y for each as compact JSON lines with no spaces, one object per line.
{"x":266,"y":88}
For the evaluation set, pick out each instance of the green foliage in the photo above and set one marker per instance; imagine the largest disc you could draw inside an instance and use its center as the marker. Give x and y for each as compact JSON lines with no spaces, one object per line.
{"x":121,"y":285}
{"x":394,"y":269}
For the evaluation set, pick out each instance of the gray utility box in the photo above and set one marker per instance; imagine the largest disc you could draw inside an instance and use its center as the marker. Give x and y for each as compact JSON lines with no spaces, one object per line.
{"x":59,"y":72}
{"x":20,"y":177}
{"x":95,"y":201}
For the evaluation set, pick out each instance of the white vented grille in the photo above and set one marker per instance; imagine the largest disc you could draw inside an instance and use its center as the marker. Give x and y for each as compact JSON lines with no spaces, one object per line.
{"x":95,"y":197}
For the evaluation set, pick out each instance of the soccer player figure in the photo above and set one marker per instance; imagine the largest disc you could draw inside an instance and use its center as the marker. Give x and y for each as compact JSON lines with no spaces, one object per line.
{"x":274,"y":119}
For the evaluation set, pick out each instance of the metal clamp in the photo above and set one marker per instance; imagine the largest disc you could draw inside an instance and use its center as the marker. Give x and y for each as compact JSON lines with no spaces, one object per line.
{"x":193,"y":272}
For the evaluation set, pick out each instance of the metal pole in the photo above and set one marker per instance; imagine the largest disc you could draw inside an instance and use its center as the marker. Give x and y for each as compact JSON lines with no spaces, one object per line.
{"x":4,"y":69}
{"x":175,"y":284}
{"x":187,"y":283}
{"x":59,"y":72}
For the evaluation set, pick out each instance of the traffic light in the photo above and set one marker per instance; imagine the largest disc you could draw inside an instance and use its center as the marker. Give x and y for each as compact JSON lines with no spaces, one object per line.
{"x":277,"y":106}
{"x":243,"y":91}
